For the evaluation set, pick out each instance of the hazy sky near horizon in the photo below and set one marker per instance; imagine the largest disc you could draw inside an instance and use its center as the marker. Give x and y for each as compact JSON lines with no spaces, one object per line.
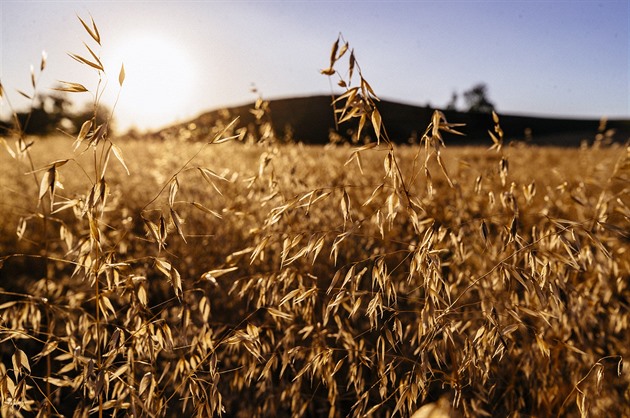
{"x":548,"y":58}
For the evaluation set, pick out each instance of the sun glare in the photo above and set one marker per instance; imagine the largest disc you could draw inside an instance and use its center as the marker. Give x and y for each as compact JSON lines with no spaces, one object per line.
{"x":158,"y":83}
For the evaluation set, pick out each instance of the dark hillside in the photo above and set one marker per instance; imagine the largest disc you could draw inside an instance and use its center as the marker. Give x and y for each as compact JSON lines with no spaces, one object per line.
{"x":310,"y":119}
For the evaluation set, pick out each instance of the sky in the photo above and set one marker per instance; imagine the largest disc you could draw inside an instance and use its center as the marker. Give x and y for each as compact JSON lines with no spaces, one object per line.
{"x":182,"y":58}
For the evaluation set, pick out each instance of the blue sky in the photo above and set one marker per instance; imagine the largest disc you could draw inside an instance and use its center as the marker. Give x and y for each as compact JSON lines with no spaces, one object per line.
{"x":550,"y":58}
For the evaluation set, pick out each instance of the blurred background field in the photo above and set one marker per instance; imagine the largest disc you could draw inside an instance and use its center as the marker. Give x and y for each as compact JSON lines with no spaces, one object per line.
{"x":297,"y":168}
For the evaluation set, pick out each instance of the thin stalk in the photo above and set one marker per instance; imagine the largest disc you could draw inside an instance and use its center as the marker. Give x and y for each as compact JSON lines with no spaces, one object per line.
{"x":98,"y":325}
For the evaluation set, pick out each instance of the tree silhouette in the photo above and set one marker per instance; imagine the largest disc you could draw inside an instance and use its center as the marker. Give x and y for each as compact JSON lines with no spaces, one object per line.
{"x":51,"y":112}
{"x":477,"y":99}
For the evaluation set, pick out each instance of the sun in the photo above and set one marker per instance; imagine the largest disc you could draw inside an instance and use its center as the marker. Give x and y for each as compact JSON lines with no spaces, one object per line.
{"x":159,"y":82}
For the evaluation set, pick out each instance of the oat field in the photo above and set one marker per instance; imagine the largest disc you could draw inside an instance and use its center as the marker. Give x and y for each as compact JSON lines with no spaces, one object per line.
{"x":242,"y":276}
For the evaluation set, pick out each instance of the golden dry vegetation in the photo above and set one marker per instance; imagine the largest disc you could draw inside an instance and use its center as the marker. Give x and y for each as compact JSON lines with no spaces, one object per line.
{"x":254,"y":278}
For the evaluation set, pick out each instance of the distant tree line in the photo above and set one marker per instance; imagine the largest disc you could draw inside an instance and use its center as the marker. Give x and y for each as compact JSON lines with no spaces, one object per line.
{"x":51,"y":113}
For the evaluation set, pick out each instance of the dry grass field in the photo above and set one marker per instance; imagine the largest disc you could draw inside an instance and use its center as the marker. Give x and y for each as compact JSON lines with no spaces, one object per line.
{"x":235,"y":277}
{"x":506,"y":292}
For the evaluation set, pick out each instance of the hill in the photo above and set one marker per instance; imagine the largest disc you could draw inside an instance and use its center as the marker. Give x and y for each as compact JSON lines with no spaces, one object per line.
{"x":310,"y":119}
